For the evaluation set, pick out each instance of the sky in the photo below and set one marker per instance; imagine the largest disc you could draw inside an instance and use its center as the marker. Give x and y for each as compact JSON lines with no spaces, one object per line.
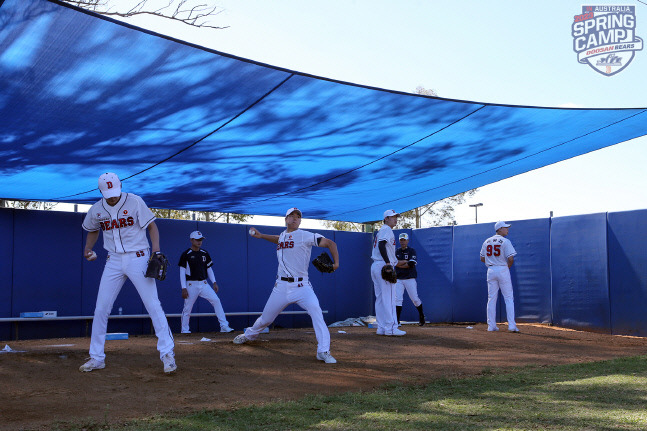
{"x":508,"y":52}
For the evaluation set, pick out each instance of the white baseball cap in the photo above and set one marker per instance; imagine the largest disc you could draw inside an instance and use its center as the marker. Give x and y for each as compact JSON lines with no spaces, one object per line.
{"x":404,"y":236}
{"x":390,"y":213}
{"x":291,"y":210}
{"x":196,"y":235}
{"x":109,"y":185}
{"x":498,"y":225}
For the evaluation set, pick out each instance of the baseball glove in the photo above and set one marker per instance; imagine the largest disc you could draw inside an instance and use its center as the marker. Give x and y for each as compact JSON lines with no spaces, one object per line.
{"x":323,"y":263}
{"x":388,"y":273}
{"x":157,"y":266}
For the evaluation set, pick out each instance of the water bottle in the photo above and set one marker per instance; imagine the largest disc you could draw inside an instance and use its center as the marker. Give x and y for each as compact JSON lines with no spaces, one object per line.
{"x":121,"y":311}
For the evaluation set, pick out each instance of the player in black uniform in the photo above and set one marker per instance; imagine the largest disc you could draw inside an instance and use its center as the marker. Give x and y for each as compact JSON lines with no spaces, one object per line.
{"x":195,"y":266}
{"x":407,"y":273}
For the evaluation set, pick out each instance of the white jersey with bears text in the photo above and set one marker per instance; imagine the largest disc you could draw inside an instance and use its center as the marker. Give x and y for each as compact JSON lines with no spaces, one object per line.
{"x":384,"y":234}
{"x":496,"y":250}
{"x":123,"y":225}
{"x":293,"y":252}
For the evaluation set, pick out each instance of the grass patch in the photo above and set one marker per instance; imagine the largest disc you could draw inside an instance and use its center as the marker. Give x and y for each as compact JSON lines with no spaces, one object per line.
{"x":608,"y":395}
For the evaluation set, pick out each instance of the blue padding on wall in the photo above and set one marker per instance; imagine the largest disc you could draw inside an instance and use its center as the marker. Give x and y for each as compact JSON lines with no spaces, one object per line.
{"x":627,"y":233}
{"x":469,"y":298}
{"x":580,"y":274}
{"x":6,"y":263}
{"x":174,"y":239}
{"x":531,"y":270}
{"x":353,"y":294}
{"x":54,"y":240}
{"x":434,"y":249}
{"x":227,"y":246}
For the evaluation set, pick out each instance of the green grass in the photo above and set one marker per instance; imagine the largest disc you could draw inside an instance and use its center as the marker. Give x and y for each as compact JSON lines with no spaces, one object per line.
{"x":609,"y":395}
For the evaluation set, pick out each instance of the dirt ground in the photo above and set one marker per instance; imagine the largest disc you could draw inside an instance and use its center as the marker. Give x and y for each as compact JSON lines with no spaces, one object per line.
{"x":42,"y":385}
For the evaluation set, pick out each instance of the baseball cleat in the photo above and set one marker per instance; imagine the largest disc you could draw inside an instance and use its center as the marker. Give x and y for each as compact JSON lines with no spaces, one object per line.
{"x":397,"y":333}
{"x":326,"y":357}
{"x":514,"y":330}
{"x":240,"y":339}
{"x":169,"y":363}
{"x":226,"y":329}
{"x":422,"y":320}
{"x":380,"y":332}
{"x":92,"y":364}
{"x":492,"y":329}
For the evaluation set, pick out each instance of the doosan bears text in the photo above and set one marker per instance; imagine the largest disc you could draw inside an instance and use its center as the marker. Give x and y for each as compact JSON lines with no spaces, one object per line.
{"x":116,"y":224}
{"x":285,"y":244}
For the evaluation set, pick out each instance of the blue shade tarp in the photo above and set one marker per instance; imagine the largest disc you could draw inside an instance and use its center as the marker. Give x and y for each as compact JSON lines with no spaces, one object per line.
{"x":190,"y":128}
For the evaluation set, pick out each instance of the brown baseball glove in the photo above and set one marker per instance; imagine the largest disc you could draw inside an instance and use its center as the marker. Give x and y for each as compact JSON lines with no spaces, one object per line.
{"x":388,"y":273}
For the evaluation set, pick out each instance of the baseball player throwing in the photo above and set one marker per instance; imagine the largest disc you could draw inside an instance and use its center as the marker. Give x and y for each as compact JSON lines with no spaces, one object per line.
{"x":407,"y":274}
{"x":195,"y":266}
{"x":124,"y":219}
{"x":292,"y":286}
{"x":384,"y":254}
{"x":498,"y":255}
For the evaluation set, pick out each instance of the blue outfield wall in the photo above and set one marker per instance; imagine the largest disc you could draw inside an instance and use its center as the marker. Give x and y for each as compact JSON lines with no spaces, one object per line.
{"x":583,"y":272}
{"x":580,"y":276}
{"x":469,"y":288}
{"x":6,"y":270}
{"x":434,"y":252}
{"x":531,"y":271}
{"x":627,"y":236}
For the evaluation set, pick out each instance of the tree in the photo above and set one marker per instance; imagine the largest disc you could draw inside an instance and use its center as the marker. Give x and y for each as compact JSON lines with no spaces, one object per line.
{"x":200,"y":215}
{"x":344,"y":225}
{"x":27,"y":205}
{"x":424,"y":91}
{"x":186,"y":11}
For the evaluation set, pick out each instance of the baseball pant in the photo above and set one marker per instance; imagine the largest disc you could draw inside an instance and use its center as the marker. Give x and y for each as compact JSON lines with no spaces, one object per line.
{"x":284,"y":294}
{"x":498,"y":278}
{"x":120,"y":266}
{"x":202,"y":289}
{"x":412,"y":289}
{"x":385,"y":314}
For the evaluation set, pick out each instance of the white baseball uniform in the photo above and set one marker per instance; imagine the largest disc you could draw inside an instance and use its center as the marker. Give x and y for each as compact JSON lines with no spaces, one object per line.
{"x":385,"y":314}
{"x":292,"y":286}
{"x":124,"y":237}
{"x":496,"y":250}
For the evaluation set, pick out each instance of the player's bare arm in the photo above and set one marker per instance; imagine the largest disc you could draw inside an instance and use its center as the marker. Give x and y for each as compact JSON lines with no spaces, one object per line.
{"x":258,"y":234}
{"x":154,"y":233}
{"x":215,"y":287}
{"x":332,"y":246}
{"x":510,"y":261}
{"x":483,"y":259}
{"x":90,"y":240}
{"x":185,"y":293}
{"x":403,"y":264}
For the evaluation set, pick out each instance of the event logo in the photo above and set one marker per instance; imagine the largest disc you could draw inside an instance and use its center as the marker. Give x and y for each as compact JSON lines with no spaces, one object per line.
{"x":604,"y":37}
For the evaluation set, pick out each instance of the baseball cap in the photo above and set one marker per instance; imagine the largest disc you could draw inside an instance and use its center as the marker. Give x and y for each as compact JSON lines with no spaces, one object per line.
{"x":196,"y":235}
{"x":390,"y":213}
{"x":109,"y":185}
{"x":291,"y":210}
{"x":498,"y":225}
{"x":404,"y":236}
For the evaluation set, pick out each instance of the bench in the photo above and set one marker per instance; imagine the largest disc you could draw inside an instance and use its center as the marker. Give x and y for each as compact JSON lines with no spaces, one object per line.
{"x":17,"y":320}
